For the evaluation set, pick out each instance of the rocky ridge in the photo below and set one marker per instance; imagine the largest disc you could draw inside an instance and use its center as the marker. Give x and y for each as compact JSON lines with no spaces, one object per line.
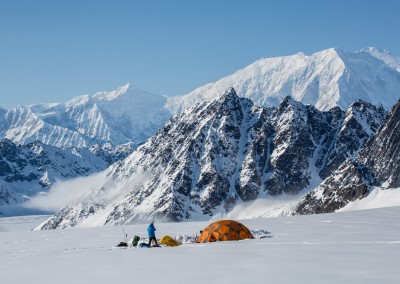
{"x":377,"y":164}
{"x":216,"y":155}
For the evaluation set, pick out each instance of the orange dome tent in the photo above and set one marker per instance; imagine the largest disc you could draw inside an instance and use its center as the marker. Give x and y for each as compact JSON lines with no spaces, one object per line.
{"x":225,"y":230}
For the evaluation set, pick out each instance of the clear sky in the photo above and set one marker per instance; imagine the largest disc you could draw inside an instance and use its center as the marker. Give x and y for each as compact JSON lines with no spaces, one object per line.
{"x":51,"y":51}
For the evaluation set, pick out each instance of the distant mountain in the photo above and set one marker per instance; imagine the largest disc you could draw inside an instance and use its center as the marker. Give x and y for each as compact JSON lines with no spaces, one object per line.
{"x":126,"y":115}
{"x":26,"y":170}
{"x":377,"y":164}
{"x":325,"y":79}
{"x":219,"y":154}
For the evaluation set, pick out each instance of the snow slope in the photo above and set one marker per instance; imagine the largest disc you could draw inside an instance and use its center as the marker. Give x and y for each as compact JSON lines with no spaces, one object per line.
{"x":377,"y":198}
{"x":325,"y":79}
{"x":350,"y":247}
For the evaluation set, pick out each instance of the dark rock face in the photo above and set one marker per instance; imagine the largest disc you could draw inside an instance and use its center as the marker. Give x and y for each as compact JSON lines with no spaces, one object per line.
{"x":377,"y":164}
{"x":112,"y":154}
{"x":5,"y":197}
{"x":350,"y":182}
{"x":382,"y":153}
{"x":217,"y":154}
{"x":361,"y":121}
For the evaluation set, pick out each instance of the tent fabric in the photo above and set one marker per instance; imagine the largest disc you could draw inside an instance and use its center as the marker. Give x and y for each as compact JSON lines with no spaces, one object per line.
{"x":168,"y":241}
{"x":225,"y":230}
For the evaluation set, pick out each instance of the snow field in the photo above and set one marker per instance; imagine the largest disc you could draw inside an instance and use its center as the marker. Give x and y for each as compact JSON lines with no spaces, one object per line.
{"x":349,"y":247}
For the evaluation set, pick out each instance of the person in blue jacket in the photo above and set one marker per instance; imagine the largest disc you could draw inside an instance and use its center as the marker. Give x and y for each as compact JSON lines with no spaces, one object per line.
{"x":151,"y":230}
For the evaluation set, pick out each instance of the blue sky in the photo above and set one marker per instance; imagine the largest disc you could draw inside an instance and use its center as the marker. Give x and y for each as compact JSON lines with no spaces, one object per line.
{"x":51,"y":51}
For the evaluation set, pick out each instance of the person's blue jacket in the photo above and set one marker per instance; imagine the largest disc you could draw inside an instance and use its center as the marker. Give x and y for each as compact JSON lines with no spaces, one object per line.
{"x":151,"y":230}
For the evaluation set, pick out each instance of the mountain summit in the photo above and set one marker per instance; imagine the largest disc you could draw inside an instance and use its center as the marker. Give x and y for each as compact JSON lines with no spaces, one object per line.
{"x":125,"y":115}
{"x":325,"y":79}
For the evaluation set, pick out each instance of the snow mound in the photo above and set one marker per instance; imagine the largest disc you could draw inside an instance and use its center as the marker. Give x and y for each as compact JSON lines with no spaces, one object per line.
{"x":378,"y":198}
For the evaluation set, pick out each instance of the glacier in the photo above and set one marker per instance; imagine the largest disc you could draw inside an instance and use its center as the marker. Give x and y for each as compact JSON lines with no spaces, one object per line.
{"x":359,"y":247}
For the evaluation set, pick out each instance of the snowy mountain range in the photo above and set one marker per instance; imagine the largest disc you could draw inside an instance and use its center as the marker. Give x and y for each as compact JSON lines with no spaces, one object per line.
{"x":110,"y":125}
{"x":324,"y":79}
{"x":126,"y":115}
{"x":217,"y":155}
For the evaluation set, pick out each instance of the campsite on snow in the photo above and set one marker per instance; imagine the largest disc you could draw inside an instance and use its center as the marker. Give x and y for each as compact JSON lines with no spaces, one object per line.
{"x":349,"y":247}
{"x":216,"y":163}
{"x":199,"y":142}
{"x":209,"y":177}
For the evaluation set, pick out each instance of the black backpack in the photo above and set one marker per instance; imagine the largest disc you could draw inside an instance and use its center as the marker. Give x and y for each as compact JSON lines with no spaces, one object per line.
{"x":122,"y":244}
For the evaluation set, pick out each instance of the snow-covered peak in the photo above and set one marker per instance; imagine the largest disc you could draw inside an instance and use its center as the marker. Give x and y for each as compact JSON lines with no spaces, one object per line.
{"x":80,"y":100}
{"x":289,"y":102}
{"x":327,"y":54}
{"x":125,"y":115}
{"x":325,"y":79}
{"x":384,"y":55}
{"x":268,"y":80}
{"x":228,"y":95}
{"x":108,"y":96}
{"x":103,"y":96}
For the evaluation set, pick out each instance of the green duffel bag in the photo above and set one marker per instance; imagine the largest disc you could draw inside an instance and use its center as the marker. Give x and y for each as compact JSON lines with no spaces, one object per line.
{"x":135,"y":241}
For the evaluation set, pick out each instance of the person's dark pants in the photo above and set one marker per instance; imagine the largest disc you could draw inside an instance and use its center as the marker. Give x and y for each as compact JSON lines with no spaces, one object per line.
{"x":152,"y":239}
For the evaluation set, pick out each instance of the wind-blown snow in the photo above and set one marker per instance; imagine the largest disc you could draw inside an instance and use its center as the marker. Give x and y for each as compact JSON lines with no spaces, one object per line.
{"x":63,"y":193}
{"x":349,"y":247}
{"x":273,"y":206}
